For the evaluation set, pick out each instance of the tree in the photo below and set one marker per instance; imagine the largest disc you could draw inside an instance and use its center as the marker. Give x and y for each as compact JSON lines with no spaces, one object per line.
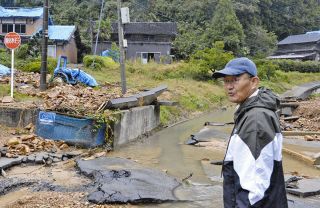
{"x":260,"y":42}
{"x":288,"y":17}
{"x":226,"y":27}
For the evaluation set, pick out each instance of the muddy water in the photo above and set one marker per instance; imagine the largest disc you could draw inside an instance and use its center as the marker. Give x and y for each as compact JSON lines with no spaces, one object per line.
{"x":166,"y":151}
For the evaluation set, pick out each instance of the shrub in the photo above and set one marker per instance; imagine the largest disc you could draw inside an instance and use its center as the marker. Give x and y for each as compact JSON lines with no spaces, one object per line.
{"x":99,"y":62}
{"x":300,"y":66}
{"x":266,"y":69}
{"x":210,"y":59}
{"x":5,"y":58}
{"x":22,"y":51}
{"x":34,"y":65}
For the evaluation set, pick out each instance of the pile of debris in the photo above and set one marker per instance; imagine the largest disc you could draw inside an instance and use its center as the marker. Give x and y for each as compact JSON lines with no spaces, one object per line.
{"x":305,"y":117}
{"x":27,"y":144}
{"x":61,"y":97}
{"x":309,"y":113}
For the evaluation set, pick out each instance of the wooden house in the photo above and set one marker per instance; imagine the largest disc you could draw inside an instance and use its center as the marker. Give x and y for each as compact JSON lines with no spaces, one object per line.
{"x":28,"y":22}
{"x":299,"y":47}
{"x":145,"y":41}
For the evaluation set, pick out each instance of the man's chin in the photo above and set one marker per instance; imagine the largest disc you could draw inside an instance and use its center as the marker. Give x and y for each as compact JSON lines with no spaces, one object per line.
{"x":233,"y":100}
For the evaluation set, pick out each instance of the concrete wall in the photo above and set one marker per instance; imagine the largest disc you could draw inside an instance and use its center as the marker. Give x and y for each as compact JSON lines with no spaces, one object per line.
{"x":17,"y":117}
{"x":132,"y":123}
{"x":135,"y":122}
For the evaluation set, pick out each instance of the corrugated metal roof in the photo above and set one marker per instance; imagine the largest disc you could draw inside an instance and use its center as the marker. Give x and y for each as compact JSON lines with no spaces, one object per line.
{"x":317,"y":31}
{"x":291,"y":56}
{"x":21,"y":12}
{"x":61,"y":32}
{"x":148,"y":28}
{"x":303,"y":38}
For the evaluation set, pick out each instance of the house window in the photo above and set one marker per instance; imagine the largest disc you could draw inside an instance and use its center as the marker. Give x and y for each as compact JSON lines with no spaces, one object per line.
{"x":19,"y":28}
{"x":52,"y":51}
{"x":7,"y":28}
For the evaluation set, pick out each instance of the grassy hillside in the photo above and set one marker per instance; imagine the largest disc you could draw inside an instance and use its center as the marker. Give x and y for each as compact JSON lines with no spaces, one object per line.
{"x":194,"y":96}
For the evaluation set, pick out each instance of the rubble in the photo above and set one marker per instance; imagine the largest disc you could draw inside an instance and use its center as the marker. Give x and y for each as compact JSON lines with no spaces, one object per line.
{"x":27,"y":144}
{"x":7,"y":99}
{"x":61,"y":97}
{"x":306,"y":117}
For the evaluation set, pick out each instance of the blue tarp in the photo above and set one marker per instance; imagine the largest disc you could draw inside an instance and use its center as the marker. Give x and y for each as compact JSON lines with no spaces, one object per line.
{"x":21,"y":12}
{"x":77,"y":75}
{"x":61,"y":32}
{"x":4,"y":70}
{"x":112,"y":54}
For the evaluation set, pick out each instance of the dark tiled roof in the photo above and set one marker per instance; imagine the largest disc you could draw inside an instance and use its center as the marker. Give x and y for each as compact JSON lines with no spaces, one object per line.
{"x":303,"y":38}
{"x":148,"y":28}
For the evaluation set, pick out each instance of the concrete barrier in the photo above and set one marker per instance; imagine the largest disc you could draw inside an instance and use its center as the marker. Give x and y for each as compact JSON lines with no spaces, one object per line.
{"x":132,"y":124}
{"x":18,"y":117}
{"x":135,"y":122}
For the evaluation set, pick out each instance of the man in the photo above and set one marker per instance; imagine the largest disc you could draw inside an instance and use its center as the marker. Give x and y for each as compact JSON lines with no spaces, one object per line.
{"x":252,"y":168}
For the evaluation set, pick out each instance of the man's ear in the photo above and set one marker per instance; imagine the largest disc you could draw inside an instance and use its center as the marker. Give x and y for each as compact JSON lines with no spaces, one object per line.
{"x":255,"y":80}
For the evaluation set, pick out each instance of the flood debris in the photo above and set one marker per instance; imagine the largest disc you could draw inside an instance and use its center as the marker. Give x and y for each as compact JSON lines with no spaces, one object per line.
{"x":119,"y":180}
{"x":29,"y":148}
{"x":62,"y":97}
{"x":312,"y":138}
{"x":27,"y":144}
{"x":7,"y":99}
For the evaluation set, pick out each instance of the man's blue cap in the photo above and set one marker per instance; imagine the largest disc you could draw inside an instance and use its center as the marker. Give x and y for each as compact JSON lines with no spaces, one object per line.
{"x":237,"y":66}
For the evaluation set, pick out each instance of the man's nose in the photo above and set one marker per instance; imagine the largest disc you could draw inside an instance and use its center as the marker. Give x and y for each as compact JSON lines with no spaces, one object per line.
{"x":229,"y":85}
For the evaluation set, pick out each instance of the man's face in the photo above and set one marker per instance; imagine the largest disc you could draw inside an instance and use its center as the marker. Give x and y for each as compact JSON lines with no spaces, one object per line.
{"x":240,"y":87}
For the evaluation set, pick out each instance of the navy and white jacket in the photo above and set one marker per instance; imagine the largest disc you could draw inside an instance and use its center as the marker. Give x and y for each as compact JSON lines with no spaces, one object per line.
{"x":252,"y":169}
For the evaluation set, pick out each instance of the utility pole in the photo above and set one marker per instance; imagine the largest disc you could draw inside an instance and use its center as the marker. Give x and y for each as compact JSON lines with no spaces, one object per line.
{"x":122,"y":56}
{"x":44,"y":48}
{"x":99,"y":24}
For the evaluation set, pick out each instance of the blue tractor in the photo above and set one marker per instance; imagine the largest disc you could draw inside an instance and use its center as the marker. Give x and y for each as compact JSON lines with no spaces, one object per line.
{"x":72,"y":76}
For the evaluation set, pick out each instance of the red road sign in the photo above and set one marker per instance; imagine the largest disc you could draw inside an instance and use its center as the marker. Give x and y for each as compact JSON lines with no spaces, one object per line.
{"x":12,"y":40}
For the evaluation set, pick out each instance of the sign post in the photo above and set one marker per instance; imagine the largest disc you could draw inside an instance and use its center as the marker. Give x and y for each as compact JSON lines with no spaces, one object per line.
{"x":12,"y":41}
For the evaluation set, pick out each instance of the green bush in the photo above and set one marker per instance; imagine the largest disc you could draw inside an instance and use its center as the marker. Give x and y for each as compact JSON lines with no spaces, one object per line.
{"x":266,"y":69}
{"x":22,"y":51}
{"x":209,"y":59}
{"x":34,"y":65}
{"x":99,"y":62}
{"x":5,"y":58}
{"x":299,"y":66}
